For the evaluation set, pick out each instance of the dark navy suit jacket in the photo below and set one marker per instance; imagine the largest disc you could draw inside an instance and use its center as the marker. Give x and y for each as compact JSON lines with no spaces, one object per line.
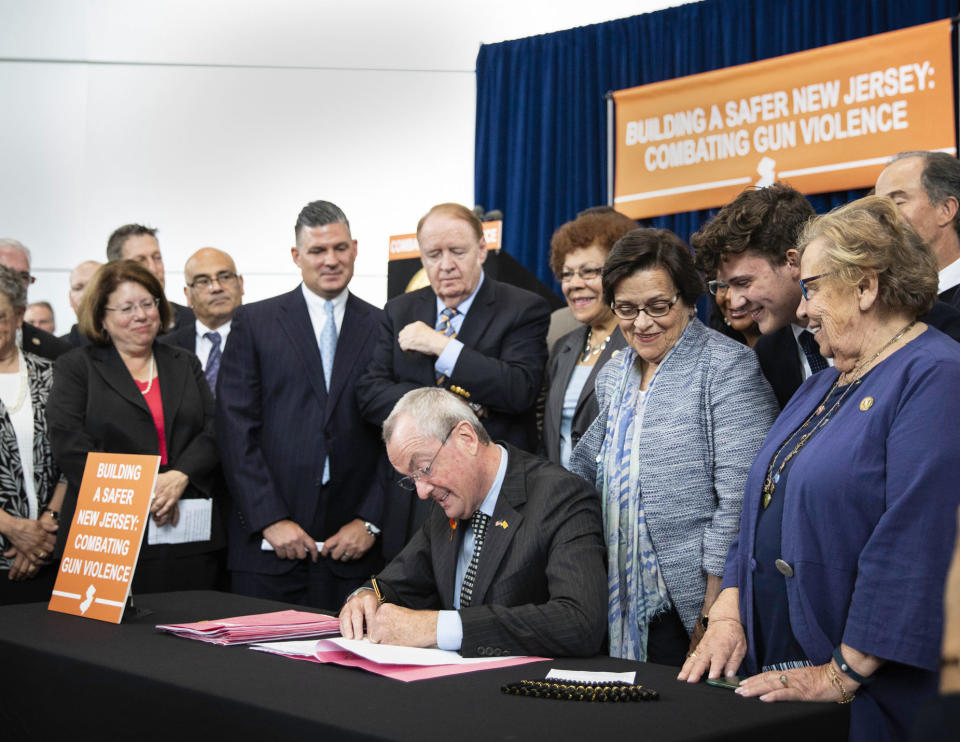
{"x":276,"y":424}
{"x":500,"y":367}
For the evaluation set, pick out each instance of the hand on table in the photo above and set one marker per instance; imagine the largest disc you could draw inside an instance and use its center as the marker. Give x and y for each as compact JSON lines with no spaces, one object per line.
{"x":800,"y":684}
{"x":387,"y":623}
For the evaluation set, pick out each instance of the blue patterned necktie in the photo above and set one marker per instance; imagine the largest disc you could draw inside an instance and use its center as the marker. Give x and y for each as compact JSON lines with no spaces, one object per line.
{"x":328,"y":343}
{"x":445,"y":327}
{"x":478,"y":522}
{"x":213,"y":360}
{"x":812,"y":351}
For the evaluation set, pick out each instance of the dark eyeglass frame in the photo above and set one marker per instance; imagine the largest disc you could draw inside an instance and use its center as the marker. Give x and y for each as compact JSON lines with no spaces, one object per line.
{"x":805,"y":282}
{"x":716,"y":286}
{"x":632,"y":315}
{"x":593,"y":274}
{"x":204,"y":282}
{"x":410,"y":482}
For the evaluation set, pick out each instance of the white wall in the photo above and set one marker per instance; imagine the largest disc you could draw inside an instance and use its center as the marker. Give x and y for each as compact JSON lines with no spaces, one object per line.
{"x":217,"y":120}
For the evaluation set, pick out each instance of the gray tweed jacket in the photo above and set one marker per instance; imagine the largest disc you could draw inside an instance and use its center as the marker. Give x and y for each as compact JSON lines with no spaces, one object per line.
{"x":709,"y":411}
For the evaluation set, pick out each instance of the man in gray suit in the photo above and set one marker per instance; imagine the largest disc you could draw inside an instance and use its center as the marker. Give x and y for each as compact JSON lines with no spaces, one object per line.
{"x":510,"y":558}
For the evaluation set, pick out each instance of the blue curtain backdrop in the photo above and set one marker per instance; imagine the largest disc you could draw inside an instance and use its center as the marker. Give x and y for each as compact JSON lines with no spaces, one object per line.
{"x":541,"y":115}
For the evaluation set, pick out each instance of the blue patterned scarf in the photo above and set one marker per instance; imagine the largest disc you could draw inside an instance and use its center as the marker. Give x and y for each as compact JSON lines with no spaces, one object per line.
{"x":635,"y":587}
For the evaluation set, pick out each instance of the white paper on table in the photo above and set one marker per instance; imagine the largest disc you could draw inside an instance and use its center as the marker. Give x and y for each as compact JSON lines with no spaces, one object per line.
{"x":288,"y":649}
{"x":196,"y":516}
{"x":582,"y":676}
{"x":388,"y":654}
{"x":267,"y":546}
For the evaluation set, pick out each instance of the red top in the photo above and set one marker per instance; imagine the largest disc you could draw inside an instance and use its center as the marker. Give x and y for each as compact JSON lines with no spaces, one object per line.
{"x":155,"y":403}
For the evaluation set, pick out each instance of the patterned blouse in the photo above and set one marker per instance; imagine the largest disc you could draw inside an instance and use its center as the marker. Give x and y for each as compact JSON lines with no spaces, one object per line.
{"x":13,"y":497}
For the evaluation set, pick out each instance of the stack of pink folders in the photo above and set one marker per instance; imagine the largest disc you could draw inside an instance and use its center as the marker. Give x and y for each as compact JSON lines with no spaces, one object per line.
{"x":399,"y":663}
{"x":257,"y":628}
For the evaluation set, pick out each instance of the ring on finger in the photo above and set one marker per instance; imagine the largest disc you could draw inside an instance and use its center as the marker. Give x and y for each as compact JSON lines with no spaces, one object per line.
{"x":783,"y":680}
{"x":692,"y":655}
{"x":41,"y":554}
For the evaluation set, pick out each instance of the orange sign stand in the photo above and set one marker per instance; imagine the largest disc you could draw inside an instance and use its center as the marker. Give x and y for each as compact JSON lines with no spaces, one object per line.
{"x":404,"y":246}
{"x":113,"y":508}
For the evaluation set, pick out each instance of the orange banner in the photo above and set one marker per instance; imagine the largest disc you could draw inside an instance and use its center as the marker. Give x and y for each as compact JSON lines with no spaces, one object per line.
{"x":403,"y":246}
{"x":825,"y":119}
{"x":100,"y":556}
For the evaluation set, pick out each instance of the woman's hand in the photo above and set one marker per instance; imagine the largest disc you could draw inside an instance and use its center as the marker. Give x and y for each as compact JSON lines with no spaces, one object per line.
{"x":724,"y":644}
{"x":22,"y":568}
{"x":31,"y":539}
{"x":801,"y":684}
{"x":170,"y":487}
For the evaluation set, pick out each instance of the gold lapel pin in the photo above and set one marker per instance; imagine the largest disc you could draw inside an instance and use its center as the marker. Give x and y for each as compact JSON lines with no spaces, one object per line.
{"x":501,"y":524}
{"x":866,"y":403}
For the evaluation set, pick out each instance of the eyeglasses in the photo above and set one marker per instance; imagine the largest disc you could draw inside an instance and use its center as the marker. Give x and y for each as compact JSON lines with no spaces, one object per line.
{"x":127,"y":310}
{"x":587,"y":274}
{"x":659,"y":308}
{"x":715,"y":287}
{"x":204,"y":282}
{"x":410,"y":483}
{"x":805,"y":283}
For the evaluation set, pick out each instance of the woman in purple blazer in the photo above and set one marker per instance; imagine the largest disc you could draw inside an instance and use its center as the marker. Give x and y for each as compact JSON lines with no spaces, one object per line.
{"x":834,"y":590}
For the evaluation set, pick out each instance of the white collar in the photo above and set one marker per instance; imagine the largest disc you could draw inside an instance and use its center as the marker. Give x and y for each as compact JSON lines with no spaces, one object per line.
{"x":949,"y":276}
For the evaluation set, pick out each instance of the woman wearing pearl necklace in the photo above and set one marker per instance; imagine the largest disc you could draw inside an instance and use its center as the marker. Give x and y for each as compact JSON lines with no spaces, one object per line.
{"x":127,"y":393}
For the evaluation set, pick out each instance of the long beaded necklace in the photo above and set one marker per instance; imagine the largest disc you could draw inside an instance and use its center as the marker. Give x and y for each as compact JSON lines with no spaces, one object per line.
{"x":588,"y":351}
{"x":770,"y":483}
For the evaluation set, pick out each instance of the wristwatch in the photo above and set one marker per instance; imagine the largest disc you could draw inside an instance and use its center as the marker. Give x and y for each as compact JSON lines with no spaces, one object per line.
{"x":371,"y":529}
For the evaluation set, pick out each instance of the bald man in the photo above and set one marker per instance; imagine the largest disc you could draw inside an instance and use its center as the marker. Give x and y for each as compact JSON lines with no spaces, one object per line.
{"x":79,"y":278}
{"x":214,"y":290}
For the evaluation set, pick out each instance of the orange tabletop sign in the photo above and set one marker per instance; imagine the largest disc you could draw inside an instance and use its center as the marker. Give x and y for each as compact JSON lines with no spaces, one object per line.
{"x":101,"y":552}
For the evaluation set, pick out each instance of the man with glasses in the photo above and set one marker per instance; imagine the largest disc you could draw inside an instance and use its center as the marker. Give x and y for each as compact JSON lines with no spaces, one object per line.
{"x":510,"y":559}
{"x":16,"y":256}
{"x":750,"y":246}
{"x":214,"y":290}
{"x":299,"y":459}
{"x":481,"y":339}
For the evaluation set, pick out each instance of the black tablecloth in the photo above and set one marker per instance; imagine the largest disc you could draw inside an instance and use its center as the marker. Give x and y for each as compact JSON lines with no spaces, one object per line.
{"x":71,"y":678}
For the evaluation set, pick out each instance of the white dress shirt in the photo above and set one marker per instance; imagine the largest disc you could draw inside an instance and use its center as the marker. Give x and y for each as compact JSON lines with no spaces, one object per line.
{"x":204,"y":346}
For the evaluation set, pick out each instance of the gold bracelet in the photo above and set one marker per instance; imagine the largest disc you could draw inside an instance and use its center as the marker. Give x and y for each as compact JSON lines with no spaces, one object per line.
{"x":838,"y":683}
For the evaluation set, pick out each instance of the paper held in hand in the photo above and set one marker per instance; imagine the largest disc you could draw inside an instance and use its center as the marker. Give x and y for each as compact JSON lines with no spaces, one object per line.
{"x":100,"y":556}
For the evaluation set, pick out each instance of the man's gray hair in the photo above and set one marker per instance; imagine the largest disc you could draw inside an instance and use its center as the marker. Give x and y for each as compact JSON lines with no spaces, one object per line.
{"x":16,"y":245}
{"x":940,"y":178}
{"x":319,"y":214}
{"x":435,"y":412}
{"x":13,"y":287}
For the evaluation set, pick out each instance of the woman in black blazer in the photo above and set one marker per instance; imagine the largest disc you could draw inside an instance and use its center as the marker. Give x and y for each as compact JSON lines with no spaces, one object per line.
{"x":578,"y":250}
{"x":126,"y":393}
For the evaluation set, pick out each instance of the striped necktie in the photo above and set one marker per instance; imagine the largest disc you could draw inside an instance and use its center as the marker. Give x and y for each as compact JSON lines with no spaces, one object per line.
{"x":213,"y":360}
{"x":478,"y":522}
{"x":445,"y":327}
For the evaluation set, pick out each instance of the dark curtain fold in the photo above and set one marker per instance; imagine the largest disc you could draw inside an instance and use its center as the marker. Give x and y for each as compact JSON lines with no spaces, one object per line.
{"x":541,"y":114}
